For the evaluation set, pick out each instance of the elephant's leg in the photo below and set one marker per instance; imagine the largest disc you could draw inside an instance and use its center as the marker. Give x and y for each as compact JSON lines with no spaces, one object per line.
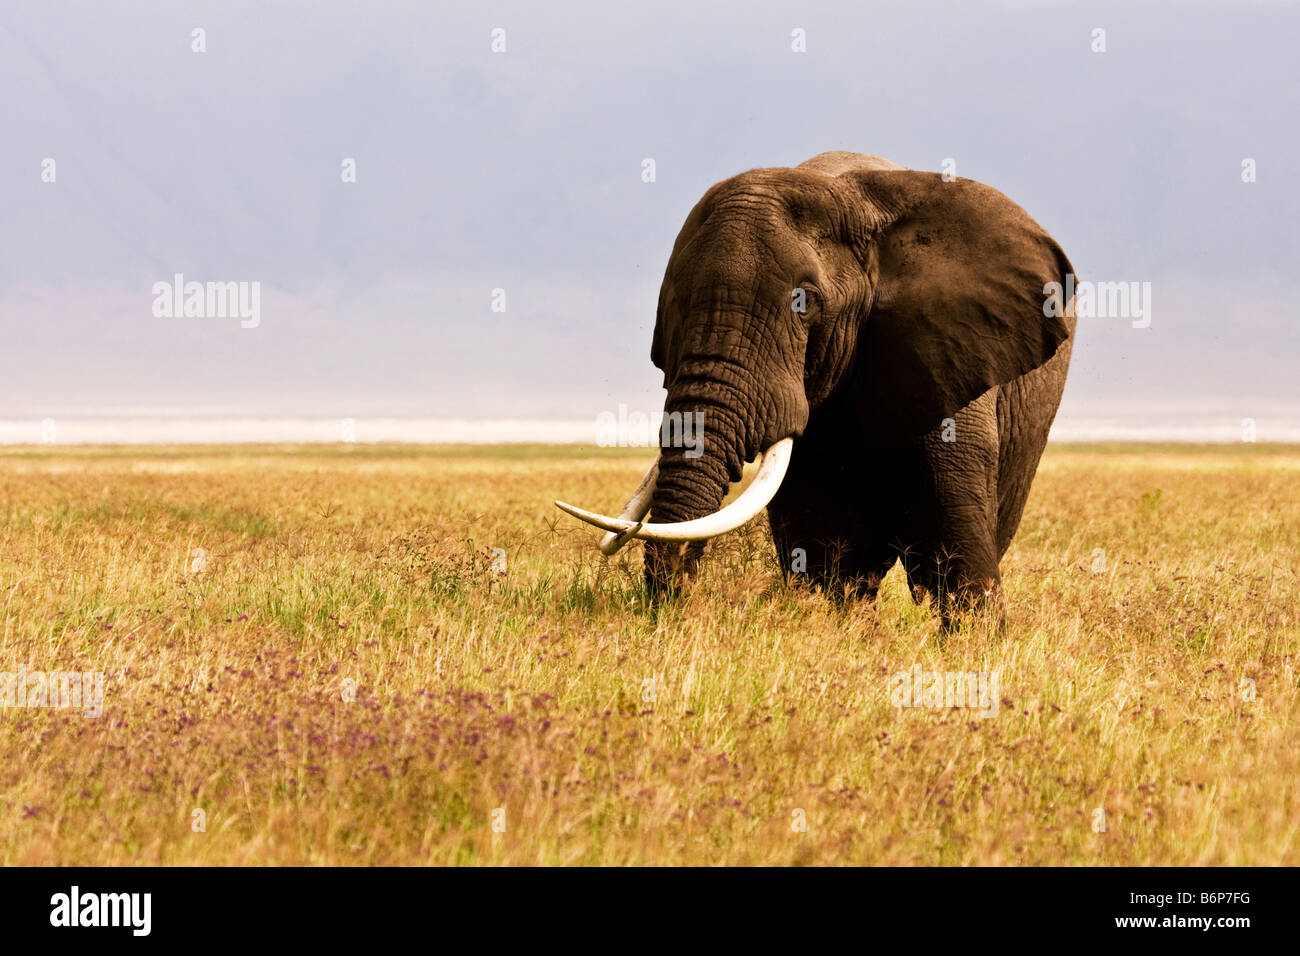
{"x":840,"y":569}
{"x":922,"y":579}
{"x":816,"y":544}
{"x":826,"y":518}
{"x":961,"y":571}
{"x":956,"y":557}
{"x":870,"y":566}
{"x":957,"y":577}
{"x":843,"y":567}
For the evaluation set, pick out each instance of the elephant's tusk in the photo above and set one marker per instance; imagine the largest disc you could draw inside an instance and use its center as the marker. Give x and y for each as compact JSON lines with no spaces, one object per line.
{"x":614,"y":541}
{"x":752,"y":500}
{"x":637,"y":507}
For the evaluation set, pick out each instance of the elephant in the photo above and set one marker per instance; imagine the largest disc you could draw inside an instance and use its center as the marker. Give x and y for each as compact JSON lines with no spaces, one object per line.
{"x":885,"y":339}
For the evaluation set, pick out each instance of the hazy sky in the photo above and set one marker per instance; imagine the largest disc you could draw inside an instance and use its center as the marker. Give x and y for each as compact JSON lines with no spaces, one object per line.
{"x":521,"y":170}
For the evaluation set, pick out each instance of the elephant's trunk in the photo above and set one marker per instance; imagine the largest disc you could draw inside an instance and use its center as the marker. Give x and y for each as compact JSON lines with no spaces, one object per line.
{"x":693,"y":480}
{"x":712,"y":426}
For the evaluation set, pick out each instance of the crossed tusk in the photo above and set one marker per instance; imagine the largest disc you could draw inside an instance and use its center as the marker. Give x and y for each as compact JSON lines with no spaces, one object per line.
{"x":631,"y":523}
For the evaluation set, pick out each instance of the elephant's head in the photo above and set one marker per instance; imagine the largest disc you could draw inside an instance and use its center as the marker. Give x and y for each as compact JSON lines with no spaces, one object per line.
{"x":784,"y":284}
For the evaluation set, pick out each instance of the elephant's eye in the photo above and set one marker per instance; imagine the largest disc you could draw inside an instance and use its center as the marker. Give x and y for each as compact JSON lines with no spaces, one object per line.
{"x":805,"y":300}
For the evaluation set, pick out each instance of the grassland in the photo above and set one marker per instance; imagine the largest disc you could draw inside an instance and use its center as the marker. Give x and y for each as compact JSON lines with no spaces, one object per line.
{"x":317,"y":649}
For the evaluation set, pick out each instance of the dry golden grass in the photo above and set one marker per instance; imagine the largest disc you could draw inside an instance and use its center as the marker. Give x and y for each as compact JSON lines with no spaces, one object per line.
{"x":608,"y":733}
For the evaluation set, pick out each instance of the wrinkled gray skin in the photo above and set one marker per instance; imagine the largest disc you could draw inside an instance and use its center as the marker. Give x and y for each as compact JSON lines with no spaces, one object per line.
{"x":924,"y":302}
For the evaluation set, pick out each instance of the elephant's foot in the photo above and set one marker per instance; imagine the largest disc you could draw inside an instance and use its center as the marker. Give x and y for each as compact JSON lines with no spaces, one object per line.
{"x":845,"y":571}
{"x":669,"y":565}
{"x":962,"y":592}
{"x":974,"y":605}
{"x":846,"y":590}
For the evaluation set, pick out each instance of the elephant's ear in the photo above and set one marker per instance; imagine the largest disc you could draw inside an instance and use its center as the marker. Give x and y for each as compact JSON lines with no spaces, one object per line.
{"x":657,"y":344}
{"x":959,"y":297}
